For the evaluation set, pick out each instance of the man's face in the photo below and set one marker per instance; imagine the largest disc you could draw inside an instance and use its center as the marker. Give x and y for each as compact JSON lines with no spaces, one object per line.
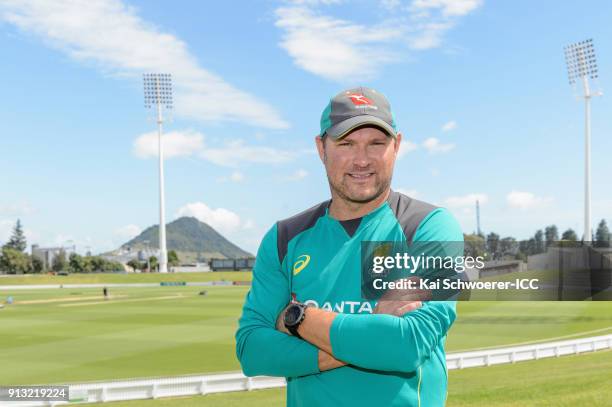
{"x":360,"y":165}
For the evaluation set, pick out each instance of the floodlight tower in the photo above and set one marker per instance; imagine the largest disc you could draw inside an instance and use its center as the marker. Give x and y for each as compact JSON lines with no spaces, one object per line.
{"x":582,"y":65}
{"x":158,"y":93}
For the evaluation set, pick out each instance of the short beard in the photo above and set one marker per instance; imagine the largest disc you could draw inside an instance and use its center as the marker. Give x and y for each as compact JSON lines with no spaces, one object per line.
{"x":379,"y":191}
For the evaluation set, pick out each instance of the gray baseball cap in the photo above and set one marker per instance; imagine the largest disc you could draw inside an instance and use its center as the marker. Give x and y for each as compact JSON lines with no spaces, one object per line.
{"x":354,"y":108}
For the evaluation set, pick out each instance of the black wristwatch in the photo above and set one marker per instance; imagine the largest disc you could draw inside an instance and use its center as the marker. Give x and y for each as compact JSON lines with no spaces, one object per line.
{"x":294,"y":315}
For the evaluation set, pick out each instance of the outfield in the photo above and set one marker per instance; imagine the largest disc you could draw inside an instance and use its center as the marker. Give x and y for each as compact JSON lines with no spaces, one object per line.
{"x":126,"y":278}
{"x":74,"y":335}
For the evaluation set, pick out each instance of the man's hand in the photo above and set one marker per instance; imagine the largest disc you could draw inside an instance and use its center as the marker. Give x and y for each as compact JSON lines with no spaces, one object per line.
{"x":397,"y":308}
{"x":400,"y":302}
{"x":328,"y":362}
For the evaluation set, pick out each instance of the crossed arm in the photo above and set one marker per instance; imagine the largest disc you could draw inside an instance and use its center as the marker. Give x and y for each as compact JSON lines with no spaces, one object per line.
{"x":317,"y":325}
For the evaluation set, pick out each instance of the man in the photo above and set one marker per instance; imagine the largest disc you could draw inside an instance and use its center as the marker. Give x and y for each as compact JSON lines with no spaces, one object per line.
{"x":343,"y":350}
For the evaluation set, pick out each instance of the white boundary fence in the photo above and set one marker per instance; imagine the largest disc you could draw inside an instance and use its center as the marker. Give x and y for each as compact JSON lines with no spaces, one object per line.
{"x":227,"y":382}
{"x":527,"y":352}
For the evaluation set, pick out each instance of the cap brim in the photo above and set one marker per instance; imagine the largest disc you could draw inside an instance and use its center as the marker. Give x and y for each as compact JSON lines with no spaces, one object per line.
{"x":343,"y":128}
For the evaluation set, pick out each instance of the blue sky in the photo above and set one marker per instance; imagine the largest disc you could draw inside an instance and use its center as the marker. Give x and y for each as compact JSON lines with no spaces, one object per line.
{"x":478,"y":88}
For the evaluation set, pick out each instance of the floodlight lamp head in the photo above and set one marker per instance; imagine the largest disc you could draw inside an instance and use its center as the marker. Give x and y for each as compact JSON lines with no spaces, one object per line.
{"x":581,"y":61}
{"x":157,"y":90}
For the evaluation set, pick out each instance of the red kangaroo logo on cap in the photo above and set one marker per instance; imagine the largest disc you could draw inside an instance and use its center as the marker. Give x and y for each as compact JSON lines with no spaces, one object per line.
{"x":359,"y":99}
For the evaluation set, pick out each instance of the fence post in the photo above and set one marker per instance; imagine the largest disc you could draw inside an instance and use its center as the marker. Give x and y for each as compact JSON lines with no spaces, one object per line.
{"x":203,"y":387}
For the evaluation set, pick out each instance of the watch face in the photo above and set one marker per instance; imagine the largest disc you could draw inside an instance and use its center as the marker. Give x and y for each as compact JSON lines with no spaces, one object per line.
{"x":292,"y":315}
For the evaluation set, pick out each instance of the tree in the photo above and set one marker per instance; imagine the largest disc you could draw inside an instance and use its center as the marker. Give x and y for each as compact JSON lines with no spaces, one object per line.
{"x":97,"y":263}
{"x":112,"y":265}
{"x":152,"y":263}
{"x":88,"y":265}
{"x":75,"y":263}
{"x":59,"y":261}
{"x":14,"y":261}
{"x":539,"y":242}
{"x":531,"y":246}
{"x":602,"y":235}
{"x":474,"y":245}
{"x":17,"y":240}
{"x":493,"y":245}
{"x":136,"y":265}
{"x":569,"y":235}
{"x":508,"y":247}
{"x":173,"y":259}
{"x":37,"y":265}
{"x":551,"y":235}
{"x":523,"y":250}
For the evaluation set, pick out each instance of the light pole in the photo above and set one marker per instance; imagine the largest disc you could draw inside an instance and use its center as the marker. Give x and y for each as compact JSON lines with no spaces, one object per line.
{"x":582,"y":65}
{"x":158,"y":93}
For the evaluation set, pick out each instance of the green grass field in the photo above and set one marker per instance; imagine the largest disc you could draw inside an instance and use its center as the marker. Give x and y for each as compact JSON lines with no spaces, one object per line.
{"x":126,"y":278}
{"x":73,"y":335}
{"x":569,"y":381}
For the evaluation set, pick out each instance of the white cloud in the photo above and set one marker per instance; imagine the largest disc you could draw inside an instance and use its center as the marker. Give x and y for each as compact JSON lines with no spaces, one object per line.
{"x":296,"y":176}
{"x":236,"y":152}
{"x":127,"y":232}
{"x":221,"y":219}
{"x":347,"y":51}
{"x":526,"y":200}
{"x":434,"y":146}
{"x":405,"y":147}
{"x":447,"y":7}
{"x":191,"y":143}
{"x":113,"y":37}
{"x":175,"y":144}
{"x":428,"y":35}
{"x":466,"y":201}
{"x":452,"y":125}
{"x":333,"y":48}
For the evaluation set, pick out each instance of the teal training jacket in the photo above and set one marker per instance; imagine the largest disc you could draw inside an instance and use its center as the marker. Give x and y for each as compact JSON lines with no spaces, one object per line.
{"x":392,"y":361}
